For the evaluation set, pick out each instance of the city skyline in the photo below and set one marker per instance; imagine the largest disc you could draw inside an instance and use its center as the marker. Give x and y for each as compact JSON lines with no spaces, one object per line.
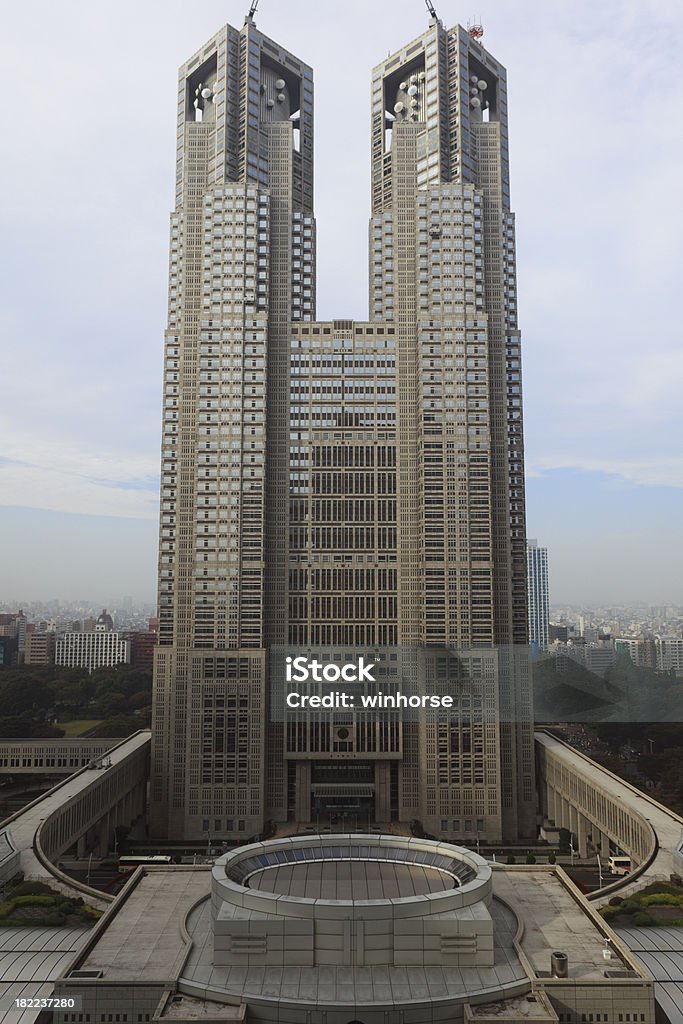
{"x":600,"y":424}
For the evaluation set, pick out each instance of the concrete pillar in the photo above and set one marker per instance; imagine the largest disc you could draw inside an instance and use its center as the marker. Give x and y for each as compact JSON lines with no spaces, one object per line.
{"x":81,"y":847}
{"x":564,"y":813}
{"x":551,"y":801}
{"x":382,"y":791}
{"x":303,"y":791}
{"x":103,"y":830}
{"x":604,"y":846}
{"x":581,"y":832}
{"x":573,"y":819}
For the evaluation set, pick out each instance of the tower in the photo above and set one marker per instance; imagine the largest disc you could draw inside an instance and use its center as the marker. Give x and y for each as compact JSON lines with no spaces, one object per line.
{"x":242,"y":267}
{"x":342,"y":485}
{"x":539,"y":601}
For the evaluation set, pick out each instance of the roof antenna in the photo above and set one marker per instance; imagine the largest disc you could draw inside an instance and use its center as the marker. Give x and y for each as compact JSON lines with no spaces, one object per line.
{"x":430,"y":8}
{"x":252,"y":10}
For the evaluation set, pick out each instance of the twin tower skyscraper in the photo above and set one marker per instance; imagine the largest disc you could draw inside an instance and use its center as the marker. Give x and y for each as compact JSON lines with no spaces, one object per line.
{"x":349,"y":486}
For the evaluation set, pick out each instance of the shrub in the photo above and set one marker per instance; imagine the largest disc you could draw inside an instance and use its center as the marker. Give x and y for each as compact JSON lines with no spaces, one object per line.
{"x":551,"y":858}
{"x":89,"y":913}
{"x":33,"y":901}
{"x":656,"y":887}
{"x":511,"y":859}
{"x":31,"y":889}
{"x":630,"y":906}
{"x":660,"y":899}
{"x":530,"y":859}
{"x":642,"y":919}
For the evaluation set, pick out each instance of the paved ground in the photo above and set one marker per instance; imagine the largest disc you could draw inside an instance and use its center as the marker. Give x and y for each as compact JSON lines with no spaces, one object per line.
{"x":144,"y":939}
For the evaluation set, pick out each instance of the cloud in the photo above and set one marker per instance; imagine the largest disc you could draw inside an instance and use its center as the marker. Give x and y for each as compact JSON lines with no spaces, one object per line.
{"x":654,"y":471}
{"x":596,"y":95}
{"x":69,"y":475}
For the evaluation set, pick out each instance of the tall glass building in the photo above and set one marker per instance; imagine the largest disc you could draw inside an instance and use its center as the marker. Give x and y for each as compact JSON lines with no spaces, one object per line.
{"x":345,"y":485}
{"x":538,"y":595}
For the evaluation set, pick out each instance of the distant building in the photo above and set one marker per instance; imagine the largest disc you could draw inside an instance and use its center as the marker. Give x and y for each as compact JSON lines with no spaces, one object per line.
{"x":104,"y":621}
{"x":13,"y":627}
{"x":537,"y":595}
{"x":600,"y":656}
{"x":558,"y":631}
{"x":669,"y":653}
{"x":8,"y":650}
{"x":22,"y":623}
{"x":101,"y":649}
{"x":142,"y":646}
{"x":40,"y":648}
{"x":641,"y":650}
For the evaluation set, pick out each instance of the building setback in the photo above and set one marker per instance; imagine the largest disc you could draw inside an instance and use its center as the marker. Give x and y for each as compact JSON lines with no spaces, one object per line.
{"x":340,"y":484}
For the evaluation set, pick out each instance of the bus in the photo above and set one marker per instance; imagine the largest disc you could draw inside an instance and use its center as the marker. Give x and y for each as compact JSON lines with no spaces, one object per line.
{"x":131,"y":862}
{"x":619,"y":865}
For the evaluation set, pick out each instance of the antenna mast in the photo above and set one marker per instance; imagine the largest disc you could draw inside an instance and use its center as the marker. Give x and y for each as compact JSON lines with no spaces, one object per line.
{"x":252,"y":10}
{"x":430,"y":8}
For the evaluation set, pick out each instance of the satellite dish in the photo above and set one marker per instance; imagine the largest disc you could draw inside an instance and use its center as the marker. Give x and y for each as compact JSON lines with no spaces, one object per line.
{"x":207,"y":93}
{"x":482,"y":84}
{"x":475,"y":102}
{"x":398,"y":107}
{"x":412,"y":91}
{"x":279,"y":83}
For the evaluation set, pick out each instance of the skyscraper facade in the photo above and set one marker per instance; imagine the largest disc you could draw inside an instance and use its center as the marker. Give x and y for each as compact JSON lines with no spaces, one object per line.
{"x":538,"y":595}
{"x":341,"y":484}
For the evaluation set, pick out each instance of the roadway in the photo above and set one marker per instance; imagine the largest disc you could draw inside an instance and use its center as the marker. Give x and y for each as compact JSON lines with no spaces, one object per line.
{"x":667,"y":825}
{"x":25,"y":825}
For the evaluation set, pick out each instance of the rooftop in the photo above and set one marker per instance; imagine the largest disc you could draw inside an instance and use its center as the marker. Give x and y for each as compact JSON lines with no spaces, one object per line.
{"x":351,"y":880}
{"x":142,"y":941}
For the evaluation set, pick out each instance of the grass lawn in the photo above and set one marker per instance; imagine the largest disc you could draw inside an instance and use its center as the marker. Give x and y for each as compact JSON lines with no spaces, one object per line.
{"x":79,"y":726}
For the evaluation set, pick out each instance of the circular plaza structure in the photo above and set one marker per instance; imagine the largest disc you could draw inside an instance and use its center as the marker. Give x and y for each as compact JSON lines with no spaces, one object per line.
{"x":335,"y":891}
{"x":353,"y":926}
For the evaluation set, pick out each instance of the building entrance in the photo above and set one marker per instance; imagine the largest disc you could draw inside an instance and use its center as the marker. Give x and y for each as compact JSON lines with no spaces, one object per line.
{"x":342,"y":794}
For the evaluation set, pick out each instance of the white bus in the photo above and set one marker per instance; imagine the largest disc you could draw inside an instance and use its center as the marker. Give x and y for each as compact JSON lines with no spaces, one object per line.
{"x":128,"y":863}
{"x":619,"y":865}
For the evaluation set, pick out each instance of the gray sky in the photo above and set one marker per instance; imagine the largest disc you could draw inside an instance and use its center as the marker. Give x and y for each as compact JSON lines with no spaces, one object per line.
{"x":86,"y":181}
